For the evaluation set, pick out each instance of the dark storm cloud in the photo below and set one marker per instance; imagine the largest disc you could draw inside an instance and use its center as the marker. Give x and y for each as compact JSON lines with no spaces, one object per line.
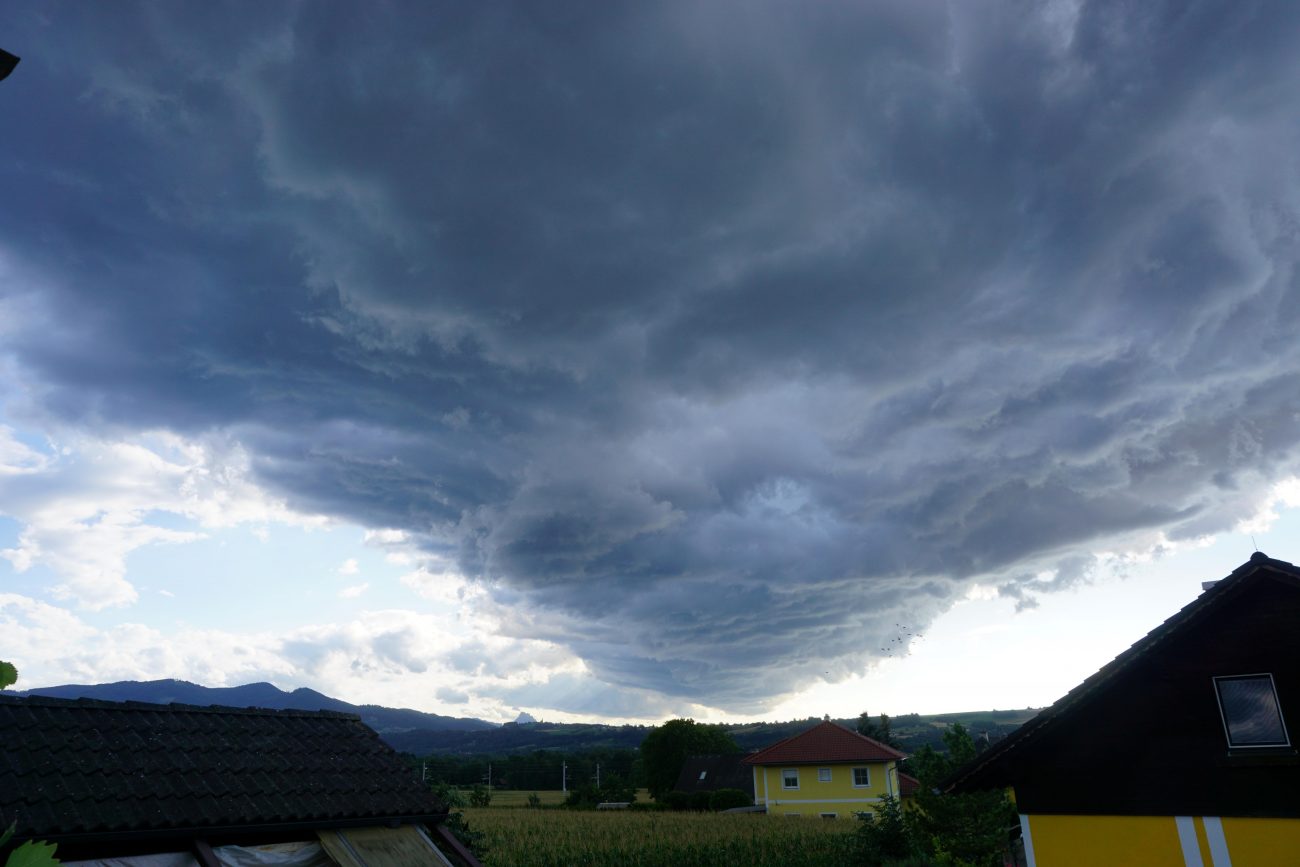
{"x":720,"y":337}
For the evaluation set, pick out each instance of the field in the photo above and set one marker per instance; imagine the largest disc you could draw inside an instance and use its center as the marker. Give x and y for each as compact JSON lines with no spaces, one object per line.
{"x":519,"y":797}
{"x":572,"y":838}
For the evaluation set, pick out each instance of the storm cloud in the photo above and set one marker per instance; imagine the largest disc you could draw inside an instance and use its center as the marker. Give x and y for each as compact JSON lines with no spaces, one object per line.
{"x":709,"y":338}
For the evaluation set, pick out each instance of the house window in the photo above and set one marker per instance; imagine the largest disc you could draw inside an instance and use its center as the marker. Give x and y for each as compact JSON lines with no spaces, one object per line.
{"x":790,"y":778}
{"x":823,"y":775}
{"x":1252,"y":716}
{"x":829,"y":815}
{"x":861,"y":778}
{"x":702,"y":773}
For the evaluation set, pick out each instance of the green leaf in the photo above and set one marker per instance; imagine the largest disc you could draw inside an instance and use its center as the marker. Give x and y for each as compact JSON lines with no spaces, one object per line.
{"x":32,"y":854}
{"x":8,"y":675}
{"x":8,"y":832}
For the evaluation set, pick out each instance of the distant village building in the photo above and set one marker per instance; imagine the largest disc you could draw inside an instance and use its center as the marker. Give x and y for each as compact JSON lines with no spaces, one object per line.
{"x":1181,"y":751}
{"x":827,"y":771}
{"x":179,"y":786}
{"x":711,"y":773}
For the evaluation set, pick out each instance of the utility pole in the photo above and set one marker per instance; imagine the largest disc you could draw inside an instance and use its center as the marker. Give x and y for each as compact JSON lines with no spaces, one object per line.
{"x":489,"y":776}
{"x":564,"y":776}
{"x":597,"y":775}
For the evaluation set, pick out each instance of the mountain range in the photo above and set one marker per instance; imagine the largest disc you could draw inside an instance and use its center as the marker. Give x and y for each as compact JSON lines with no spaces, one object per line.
{"x":387,"y":721}
{"x":421,"y":733}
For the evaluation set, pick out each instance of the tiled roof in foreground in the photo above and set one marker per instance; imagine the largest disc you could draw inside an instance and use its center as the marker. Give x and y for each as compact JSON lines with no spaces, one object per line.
{"x":71,"y":768}
{"x":824,"y":742}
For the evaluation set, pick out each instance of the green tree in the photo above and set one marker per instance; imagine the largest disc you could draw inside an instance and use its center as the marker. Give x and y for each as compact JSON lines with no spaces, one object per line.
{"x":878,"y":731}
{"x":971,"y":829}
{"x":884,"y":836}
{"x":666,"y":747}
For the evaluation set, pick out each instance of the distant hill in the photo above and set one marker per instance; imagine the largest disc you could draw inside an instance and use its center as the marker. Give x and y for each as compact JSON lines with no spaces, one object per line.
{"x":420,"y":733}
{"x":912,"y":730}
{"x":388,"y":722}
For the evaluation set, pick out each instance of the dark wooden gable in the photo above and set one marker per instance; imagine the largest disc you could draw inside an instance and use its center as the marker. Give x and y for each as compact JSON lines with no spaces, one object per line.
{"x":1144,"y":736}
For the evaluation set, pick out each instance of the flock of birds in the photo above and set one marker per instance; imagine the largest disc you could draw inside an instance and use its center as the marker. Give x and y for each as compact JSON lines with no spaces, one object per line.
{"x":900,"y":641}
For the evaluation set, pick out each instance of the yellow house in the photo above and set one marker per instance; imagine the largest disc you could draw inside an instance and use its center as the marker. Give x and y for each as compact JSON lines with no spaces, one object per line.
{"x":1180,"y":752}
{"x":827,"y":771}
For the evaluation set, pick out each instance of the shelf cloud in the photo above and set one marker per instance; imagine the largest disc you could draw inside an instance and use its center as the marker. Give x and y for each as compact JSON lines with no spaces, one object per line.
{"x":715,"y":341}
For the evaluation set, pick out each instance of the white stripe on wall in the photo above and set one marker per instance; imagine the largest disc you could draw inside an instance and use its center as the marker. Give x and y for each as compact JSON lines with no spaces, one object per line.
{"x":1218,"y":843}
{"x":1029,"y":841}
{"x":1187,"y":839}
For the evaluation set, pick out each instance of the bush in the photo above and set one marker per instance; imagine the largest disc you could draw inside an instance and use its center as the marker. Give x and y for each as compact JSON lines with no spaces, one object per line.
{"x":534,"y":801}
{"x":647,"y":806}
{"x":727,"y":799}
{"x":700,"y":801}
{"x":677,"y":800}
{"x":479,"y":797}
{"x":883,"y":836}
{"x":455,"y":821}
{"x":588,"y":796}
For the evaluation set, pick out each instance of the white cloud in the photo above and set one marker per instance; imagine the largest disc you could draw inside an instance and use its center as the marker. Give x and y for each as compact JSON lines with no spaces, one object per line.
{"x":86,"y":503}
{"x":354,"y":591}
{"x":349,"y":567}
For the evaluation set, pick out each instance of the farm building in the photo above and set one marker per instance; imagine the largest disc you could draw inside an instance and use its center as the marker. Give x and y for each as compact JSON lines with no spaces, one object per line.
{"x":711,"y":773}
{"x":1178,"y":752}
{"x":179,"y":786}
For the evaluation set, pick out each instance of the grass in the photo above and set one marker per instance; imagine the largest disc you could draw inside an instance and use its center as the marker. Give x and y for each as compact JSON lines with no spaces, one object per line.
{"x":572,"y":838}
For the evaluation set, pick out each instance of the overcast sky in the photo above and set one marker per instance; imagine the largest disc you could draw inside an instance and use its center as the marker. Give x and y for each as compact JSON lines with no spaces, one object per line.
{"x":622,"y":360}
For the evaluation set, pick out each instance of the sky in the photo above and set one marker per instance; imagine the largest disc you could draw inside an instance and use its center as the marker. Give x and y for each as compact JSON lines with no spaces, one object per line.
{"x":621,"y":361}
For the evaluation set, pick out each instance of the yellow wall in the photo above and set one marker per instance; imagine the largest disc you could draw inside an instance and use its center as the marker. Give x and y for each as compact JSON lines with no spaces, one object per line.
{"x":1262,"y":842}
{"x":1152,"y":841}
{"x":1090,"y":841}
{"x":814,"y":797}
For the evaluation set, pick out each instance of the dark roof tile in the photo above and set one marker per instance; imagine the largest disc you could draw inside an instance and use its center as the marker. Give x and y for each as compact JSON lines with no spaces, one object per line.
{"x":86,"y":766}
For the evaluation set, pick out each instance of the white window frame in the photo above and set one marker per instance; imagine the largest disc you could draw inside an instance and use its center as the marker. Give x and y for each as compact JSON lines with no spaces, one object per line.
{"x":784,"y":783}
{"x":1277,"y":702}
{"x":823,"y":775}
{"x":867,"y":772}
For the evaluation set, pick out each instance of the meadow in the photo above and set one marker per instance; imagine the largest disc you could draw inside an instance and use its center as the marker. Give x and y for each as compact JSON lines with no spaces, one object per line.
{"x":583,"y":838}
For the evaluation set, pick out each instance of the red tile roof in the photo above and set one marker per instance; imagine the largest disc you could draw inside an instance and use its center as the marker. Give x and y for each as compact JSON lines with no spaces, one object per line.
{"x":907,"y":786}
{"x":824,"y":742}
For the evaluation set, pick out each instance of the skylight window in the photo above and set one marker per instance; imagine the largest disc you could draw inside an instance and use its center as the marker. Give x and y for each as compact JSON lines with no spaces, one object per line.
{"x":1252,"y":716}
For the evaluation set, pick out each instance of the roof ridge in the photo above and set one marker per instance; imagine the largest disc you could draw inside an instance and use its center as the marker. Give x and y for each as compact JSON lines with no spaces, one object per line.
{"x":886,"y":752}
{"x":1193,"y":611}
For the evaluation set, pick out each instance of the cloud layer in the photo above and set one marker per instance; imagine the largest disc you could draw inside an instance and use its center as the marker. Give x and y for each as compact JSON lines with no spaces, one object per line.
{"x":713,"y":339}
